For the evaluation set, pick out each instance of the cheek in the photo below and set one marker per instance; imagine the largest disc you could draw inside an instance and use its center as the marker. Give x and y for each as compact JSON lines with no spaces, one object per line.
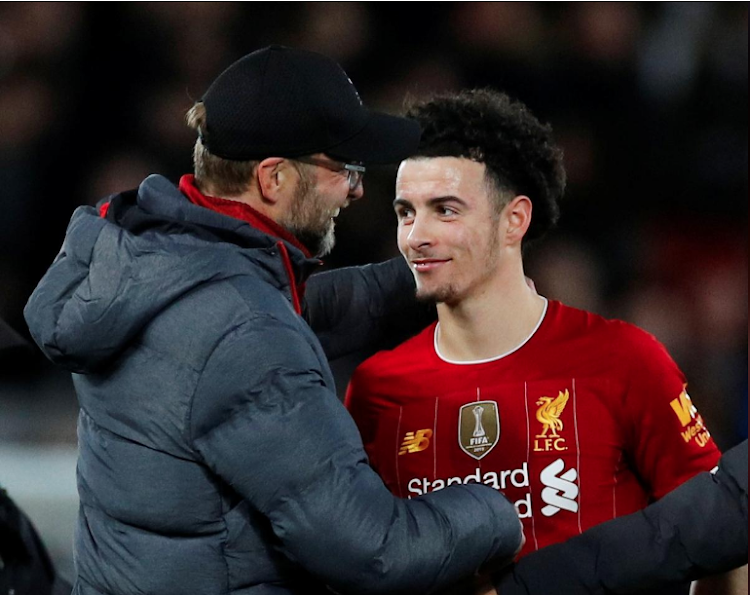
{"x":461,"y":238}
{"x":484,"y":249}
{"x":402,"y":235}
{"x":338,"y":187}
{"x":468,"y":246}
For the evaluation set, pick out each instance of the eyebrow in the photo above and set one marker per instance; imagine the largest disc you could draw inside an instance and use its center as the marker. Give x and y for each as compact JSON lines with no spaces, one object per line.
{"x":438,"y":200}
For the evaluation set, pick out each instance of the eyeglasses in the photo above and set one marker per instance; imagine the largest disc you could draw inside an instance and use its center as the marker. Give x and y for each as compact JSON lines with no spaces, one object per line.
{"x":355,"y":171}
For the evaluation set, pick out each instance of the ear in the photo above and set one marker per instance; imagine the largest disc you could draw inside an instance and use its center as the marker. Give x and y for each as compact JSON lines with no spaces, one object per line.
{"x":276,"y":179}
{"x":518,"y":216}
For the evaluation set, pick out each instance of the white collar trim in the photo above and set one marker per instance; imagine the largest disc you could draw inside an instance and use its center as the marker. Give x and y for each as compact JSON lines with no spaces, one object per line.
{"x":497,"y":357}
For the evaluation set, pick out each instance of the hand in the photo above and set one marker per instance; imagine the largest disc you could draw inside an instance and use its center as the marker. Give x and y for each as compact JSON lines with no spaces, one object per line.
{"x":497,"y":564}
{"x":483,"y":584}
{"x":485,"y":589}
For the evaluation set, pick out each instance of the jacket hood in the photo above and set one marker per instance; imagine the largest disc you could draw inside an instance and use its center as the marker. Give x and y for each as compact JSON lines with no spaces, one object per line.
{"x":113,"y":275}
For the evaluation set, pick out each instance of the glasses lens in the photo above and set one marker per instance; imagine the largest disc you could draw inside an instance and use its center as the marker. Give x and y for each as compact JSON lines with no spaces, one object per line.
{"x":355,"y":179}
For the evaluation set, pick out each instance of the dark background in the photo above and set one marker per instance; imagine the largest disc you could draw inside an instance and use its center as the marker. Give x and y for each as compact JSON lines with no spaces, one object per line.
{"x":648,"y":100}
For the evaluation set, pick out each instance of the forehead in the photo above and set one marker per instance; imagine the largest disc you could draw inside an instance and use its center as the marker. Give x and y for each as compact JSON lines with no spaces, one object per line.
{"x":424,"y":178}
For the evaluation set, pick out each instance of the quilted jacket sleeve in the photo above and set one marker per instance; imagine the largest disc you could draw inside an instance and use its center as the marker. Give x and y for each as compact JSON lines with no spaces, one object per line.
{"x":698,"y":529}
{"x":265,"y":422}
{"x":365,"y":309}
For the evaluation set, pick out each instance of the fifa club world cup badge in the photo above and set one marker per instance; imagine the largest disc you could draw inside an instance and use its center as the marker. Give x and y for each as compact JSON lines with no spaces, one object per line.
{"x":478,"y":428}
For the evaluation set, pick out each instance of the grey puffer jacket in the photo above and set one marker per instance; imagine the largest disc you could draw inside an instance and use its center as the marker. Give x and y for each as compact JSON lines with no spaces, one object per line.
{"x":215,"y":457}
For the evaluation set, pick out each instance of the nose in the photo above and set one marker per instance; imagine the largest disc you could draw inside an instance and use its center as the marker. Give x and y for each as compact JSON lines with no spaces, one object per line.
{"x":357,"y":192}
{"x":419,"y":236}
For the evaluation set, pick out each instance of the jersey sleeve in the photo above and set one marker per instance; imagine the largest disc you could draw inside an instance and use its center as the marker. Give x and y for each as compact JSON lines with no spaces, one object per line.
{"x":360,"y":310}
{"x":669,"y":440}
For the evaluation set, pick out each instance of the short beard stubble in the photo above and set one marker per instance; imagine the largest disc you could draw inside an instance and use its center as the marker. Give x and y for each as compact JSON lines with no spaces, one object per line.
{"x":309,"y":221}
{"x":450,"y":293}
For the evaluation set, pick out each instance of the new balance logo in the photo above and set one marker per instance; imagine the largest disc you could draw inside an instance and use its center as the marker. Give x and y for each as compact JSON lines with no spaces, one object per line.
{"x":415,"y":441}
{"x":561,"y":493}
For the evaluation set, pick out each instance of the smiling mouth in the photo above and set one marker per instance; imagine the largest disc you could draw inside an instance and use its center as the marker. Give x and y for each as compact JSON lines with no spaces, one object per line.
{"x":337,"y":212}
{"x":424,"y":265}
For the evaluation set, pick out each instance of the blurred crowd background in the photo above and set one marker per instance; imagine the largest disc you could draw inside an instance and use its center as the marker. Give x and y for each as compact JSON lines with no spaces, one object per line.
{"x":648,"y":100}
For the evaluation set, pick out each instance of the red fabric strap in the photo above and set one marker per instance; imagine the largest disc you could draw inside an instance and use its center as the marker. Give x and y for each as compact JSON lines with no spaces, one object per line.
{"x":238,"y":210}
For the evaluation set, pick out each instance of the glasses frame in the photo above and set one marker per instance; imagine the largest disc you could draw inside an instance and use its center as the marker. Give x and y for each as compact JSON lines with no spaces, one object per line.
{"x":355,"y":171}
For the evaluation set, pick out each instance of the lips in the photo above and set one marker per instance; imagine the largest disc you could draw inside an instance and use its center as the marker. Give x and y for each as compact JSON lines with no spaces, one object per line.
{"x":424,"y":265}
{"x":336,"y":212}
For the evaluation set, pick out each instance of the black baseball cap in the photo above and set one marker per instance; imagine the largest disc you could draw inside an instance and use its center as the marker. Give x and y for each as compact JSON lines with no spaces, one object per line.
{"x":285,"y":102}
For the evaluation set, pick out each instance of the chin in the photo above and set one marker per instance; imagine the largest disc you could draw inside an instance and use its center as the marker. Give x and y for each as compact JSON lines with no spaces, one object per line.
{"x":318,"y":241}
{"x":436,"y":295}
{"x":326,"y":243}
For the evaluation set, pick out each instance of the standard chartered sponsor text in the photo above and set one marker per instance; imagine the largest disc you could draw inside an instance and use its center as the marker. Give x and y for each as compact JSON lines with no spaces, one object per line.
{"x":518,"y":478}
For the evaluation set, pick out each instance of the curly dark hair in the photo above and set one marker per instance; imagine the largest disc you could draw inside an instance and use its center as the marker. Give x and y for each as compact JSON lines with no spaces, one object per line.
{"x":517,"y":150}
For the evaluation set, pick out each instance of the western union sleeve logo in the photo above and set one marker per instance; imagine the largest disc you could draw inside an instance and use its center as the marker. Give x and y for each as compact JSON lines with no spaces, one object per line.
{"x":688,"y":415}
{"x":684,"y":408}
{"x":415,"y":441}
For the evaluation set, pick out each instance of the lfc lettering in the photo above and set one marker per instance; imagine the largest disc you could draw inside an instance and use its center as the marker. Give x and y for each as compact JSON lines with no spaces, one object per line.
{"x":547,"y":444}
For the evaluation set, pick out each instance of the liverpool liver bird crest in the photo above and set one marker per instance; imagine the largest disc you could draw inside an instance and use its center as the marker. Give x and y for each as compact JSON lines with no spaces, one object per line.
{"x":549,"y":412}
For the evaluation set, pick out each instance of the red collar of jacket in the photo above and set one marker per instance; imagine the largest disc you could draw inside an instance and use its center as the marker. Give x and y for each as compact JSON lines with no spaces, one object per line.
{"x":238,"y":210}
{"x":244,"y":212}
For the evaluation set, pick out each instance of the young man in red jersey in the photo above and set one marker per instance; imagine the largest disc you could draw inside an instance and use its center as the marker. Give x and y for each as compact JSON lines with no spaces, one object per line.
{"x":577,"y":419}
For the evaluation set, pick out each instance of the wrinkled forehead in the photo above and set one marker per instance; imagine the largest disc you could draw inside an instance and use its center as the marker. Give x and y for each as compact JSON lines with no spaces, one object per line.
{"x":430,"y":177}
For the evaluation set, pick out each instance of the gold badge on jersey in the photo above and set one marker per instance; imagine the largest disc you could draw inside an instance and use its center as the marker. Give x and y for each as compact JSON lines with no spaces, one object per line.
{"x":478,"y":428}
{"x":548,"y":415}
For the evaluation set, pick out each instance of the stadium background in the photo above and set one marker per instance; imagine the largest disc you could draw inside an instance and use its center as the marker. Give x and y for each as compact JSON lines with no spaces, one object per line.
{"x":649,"y":101}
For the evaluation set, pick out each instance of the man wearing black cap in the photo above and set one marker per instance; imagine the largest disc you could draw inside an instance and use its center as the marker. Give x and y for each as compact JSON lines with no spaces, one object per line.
{"x":215,"y":457}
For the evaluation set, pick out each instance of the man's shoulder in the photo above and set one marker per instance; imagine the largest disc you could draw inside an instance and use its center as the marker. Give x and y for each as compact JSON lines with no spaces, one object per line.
{"x":400,"y":359}
{"x":244,"y":307}
{"x":243,"y":310}
{"x":624,"y":335}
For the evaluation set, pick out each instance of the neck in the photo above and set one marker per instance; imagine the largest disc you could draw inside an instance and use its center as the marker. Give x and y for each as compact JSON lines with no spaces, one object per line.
{"x":494,"y":320}
{"x":250,"y":197}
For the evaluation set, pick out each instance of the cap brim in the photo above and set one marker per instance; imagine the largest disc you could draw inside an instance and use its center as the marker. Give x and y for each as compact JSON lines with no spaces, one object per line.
{"x":385,"y":139}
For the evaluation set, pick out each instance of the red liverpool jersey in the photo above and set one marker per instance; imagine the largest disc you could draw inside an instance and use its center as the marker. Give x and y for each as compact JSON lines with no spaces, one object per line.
{"x":587,"y":420}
